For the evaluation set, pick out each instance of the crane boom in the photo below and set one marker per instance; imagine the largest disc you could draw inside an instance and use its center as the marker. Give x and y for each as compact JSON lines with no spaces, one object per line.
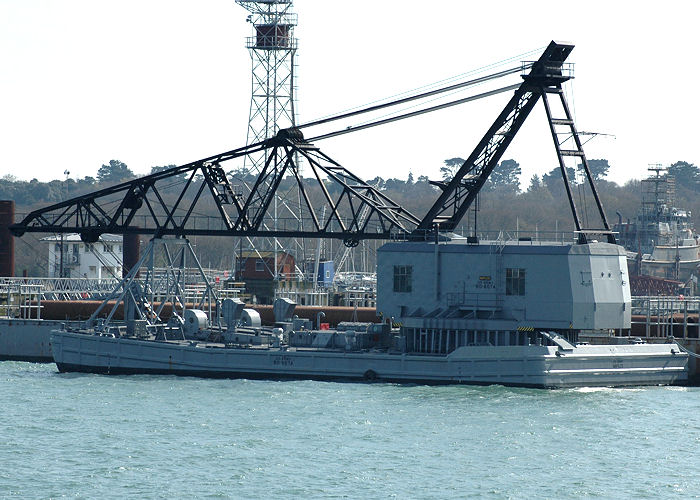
{"x":545,"y":77}
{"x":333,"y":202}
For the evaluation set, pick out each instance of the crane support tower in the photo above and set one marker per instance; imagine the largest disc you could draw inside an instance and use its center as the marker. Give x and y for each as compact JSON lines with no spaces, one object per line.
{"x":541,"y":79}
{"x":272,"y":50}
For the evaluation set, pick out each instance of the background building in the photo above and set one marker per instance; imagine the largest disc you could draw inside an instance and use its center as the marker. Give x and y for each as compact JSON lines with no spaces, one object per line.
{"x":257,"y":270}
{"x":70,"y":257}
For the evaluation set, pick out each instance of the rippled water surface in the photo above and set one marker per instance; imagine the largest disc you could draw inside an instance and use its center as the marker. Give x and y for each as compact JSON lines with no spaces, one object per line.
{"x":91,"y":436}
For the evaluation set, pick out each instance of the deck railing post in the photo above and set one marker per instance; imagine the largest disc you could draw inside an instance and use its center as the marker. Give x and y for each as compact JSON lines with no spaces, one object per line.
{"x":648,"y":326}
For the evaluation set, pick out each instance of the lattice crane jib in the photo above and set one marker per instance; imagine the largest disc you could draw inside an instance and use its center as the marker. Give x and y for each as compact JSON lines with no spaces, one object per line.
{"x":331,"y":201}
{"x":545,"y":77}
{"x":180,"y":201}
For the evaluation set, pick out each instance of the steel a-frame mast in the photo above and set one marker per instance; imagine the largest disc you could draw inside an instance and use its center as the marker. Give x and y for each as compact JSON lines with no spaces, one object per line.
{"x":333,"y":202}
{"x":545,"y":78}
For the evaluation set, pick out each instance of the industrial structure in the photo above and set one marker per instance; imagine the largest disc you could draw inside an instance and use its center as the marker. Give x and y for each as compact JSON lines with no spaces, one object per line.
{"x":663,"y":248}
{"x":272,"y":50}
{"x":334,"y":203}
{"x":658,"y":220}
{"x":69,"y":257}
{"x":7,"y":242}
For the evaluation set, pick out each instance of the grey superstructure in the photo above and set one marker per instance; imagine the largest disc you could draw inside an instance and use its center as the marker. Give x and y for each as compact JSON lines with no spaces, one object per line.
{"x":495,"y":312}
{"x":661,"y":241}
{"x":512,"y":284}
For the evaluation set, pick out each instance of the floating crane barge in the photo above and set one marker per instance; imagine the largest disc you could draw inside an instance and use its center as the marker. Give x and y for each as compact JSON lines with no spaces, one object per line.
{"x":457,"y":310}
{"x":514,"y":321}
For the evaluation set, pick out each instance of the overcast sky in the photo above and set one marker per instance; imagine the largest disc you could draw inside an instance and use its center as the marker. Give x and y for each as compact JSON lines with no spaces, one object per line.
{"x":157,"y":82}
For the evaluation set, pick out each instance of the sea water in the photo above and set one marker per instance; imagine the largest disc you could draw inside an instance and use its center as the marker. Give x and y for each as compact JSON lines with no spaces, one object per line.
{"x":92,"y":436}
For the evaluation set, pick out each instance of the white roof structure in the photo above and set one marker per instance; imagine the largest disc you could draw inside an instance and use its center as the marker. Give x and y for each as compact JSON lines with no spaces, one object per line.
{"x":75,"y":237}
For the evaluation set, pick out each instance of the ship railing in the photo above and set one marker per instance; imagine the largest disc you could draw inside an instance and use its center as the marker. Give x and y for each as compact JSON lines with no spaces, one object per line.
{"x":62,"y":288}
{"x":523,"y":237}
{"x":20,"y":300}
{"x":97,"y":288}
{"x":305,"y":297}
{"x":188,"y":276}
{"x":230,"y":293}
{"x":475,"y":301}
{"x":665,"y":316}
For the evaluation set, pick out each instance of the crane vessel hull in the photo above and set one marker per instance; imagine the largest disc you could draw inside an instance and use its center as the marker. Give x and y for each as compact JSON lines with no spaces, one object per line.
{"x":529,"y":366}
{"x":491,"y":313}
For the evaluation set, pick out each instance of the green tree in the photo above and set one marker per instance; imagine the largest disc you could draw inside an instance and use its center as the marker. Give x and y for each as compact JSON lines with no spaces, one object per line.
{"x":686,"y":174}
{"x":114,"y":172}
{"x":449,"y":169}
{"x":552,"y":179}
{"x":179,"y":177}
{"x":243,"y":174}
{"x":156,"y":169}
{"x":395,"y":185}
{"x":506,"y":176}
{"x":535,"y":184}
{"x":599,"y":168}
{"x":377,"y":182}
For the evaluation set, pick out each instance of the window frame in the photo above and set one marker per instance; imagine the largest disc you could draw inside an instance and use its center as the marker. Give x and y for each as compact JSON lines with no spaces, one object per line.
{"x":403,"y":279}
{"x":515,"y":281}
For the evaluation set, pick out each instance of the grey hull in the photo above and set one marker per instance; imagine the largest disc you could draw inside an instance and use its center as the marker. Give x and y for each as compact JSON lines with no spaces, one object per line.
{"x":531,"y":366}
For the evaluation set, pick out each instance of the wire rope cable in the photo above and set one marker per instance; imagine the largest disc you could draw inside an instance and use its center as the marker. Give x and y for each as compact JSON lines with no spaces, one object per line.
{"x":475,"y":71}
{"x":423,"y":95}
{"x":685,"y":350}
{"x":413,"y":113}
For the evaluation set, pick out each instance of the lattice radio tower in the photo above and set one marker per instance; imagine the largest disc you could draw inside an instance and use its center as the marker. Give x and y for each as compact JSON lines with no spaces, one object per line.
{"x":272,"y":50}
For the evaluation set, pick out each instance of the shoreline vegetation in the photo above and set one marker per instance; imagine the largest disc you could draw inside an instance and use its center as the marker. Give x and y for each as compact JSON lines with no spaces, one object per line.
{"x":506,"y":202}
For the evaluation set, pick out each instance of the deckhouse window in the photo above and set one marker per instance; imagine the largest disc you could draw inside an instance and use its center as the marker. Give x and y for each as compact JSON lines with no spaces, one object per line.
{"x":403,"y":276}
{"x":515,"y":281}
{"x":259,"y":265}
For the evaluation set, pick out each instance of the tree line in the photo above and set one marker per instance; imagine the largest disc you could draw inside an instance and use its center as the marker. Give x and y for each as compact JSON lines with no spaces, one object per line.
{"x":506,"y":202}
{"x":33,"y":192}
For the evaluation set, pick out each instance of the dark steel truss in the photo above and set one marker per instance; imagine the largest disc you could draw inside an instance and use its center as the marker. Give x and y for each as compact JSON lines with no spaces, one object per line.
{"x":333,"y":203}
{"x":545,"y":77}
{"x":459,"y":193}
